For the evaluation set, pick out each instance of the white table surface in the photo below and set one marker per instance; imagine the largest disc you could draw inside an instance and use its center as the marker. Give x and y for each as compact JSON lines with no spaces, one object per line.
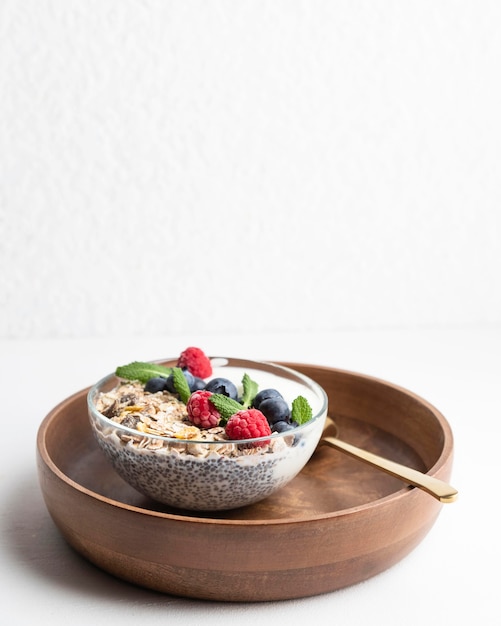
{"x":452,"y":575}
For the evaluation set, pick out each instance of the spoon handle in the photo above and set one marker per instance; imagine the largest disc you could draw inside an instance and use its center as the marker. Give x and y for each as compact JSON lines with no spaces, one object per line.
{"x":435,"y":487}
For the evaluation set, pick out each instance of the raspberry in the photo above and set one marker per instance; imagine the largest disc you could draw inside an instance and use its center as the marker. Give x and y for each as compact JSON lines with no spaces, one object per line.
{"x":196,"y":362}
{"x":247,"y":424}
{"x":200,"y":411}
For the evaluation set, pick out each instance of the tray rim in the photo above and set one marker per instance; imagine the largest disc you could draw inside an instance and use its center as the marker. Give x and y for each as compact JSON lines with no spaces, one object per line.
{"x":405,"y":491}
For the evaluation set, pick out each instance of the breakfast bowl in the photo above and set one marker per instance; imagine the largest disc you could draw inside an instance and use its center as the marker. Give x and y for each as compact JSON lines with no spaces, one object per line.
{"x":155,"y":448}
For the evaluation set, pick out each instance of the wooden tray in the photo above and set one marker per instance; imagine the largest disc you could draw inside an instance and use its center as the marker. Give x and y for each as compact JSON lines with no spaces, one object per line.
{"x":337,"y":523}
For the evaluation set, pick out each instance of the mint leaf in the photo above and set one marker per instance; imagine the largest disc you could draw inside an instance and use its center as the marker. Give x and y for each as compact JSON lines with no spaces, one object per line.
{"x":250,"y":388}
{"x":301,"y":411}
{"x":226,"y":406}
{"x":181,"y":384}
{"x":138,"y":370}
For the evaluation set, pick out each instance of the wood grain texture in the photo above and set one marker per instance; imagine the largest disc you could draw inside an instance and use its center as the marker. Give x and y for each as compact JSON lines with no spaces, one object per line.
{"x":337,"y":523}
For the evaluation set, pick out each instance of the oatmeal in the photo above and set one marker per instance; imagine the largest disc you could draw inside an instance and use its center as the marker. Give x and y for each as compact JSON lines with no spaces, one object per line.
{"x":162,"y":414}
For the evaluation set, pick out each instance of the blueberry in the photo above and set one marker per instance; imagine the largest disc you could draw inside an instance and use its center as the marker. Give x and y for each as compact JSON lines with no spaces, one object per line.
{"x":223,"y":386}
{"x":169,"y":383}
{"x":275,"y":409}
{"x":264,"y":394}
{"x":194,"y":383}
{"x":198,"y":384}
{"x":282,"y":426}
{"x":155,"y":384}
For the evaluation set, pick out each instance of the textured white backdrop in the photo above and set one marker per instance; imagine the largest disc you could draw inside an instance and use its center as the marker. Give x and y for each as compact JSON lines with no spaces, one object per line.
{"x":197,"y":165}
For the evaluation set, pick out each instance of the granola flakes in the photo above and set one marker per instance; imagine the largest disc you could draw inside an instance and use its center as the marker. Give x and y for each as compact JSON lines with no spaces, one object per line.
{"x":163,"y":414}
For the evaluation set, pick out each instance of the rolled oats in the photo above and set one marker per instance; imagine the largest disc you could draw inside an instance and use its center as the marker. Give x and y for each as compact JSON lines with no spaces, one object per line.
{"x":163,"y":414}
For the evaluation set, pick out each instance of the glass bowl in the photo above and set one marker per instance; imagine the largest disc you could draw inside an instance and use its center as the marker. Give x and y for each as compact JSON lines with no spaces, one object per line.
{"x":199,"y":475}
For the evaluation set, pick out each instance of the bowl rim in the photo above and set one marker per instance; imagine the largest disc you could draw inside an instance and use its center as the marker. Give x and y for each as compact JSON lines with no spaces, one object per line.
{"x":319,"y":390}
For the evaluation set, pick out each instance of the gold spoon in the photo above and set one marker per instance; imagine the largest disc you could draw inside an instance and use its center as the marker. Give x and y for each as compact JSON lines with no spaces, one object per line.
{"x":435,"y":487}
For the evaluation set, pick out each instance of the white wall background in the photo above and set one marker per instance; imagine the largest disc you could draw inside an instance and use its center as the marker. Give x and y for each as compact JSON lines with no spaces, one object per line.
{"x":169,"y":166}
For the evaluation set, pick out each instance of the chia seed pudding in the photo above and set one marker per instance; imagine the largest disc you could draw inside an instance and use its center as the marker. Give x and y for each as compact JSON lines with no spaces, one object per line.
{"x":153,"y":445}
